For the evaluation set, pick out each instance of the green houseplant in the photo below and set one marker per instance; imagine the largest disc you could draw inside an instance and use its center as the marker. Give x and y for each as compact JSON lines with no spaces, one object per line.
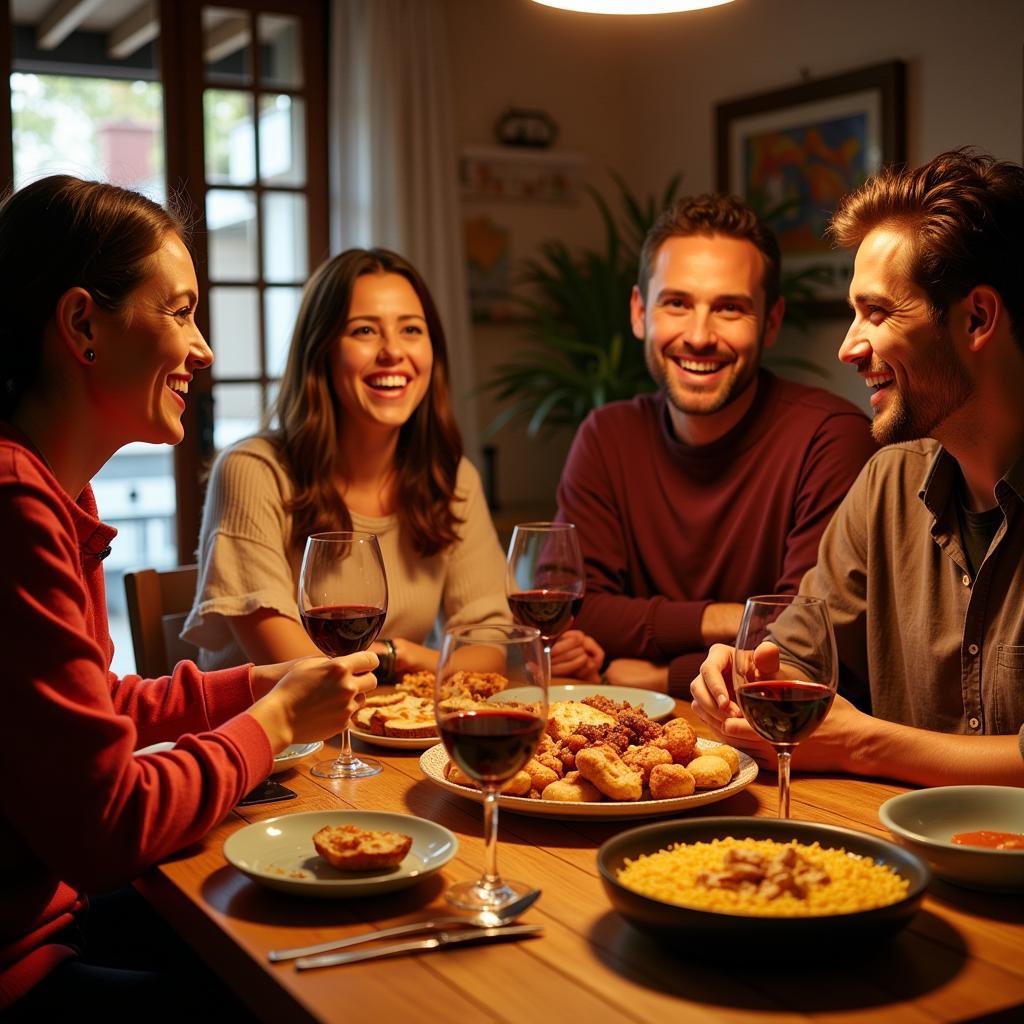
{"x":582,"y":352}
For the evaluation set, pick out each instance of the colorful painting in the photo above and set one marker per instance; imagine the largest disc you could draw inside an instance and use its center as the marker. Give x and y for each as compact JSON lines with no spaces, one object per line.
{"x":804,"y":171}
{"x":793,"y":154}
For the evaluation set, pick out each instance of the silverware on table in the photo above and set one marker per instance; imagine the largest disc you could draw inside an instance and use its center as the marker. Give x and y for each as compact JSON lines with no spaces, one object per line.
{"x":442,"y":939}
{"x":501,"y":917}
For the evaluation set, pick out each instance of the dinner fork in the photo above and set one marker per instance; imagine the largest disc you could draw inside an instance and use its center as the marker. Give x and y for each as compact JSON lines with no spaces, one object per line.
{"x":485,"y":919}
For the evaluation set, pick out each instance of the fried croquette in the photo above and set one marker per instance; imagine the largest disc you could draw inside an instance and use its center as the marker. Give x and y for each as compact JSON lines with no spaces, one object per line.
{"x":679,"y":742}
{"x":518,"y":785}
{"x":709,"y":772}
{"x":609,"y":773}
{"x":573,"y":789}
{"x":643,"y":759}
{"x":728,"y":754}
{"x":671,"y":780}
{"x":540,"y":774}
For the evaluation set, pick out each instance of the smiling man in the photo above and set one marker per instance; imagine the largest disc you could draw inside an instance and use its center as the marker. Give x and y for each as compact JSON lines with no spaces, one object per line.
{"x":923,"y":564}
{"x":719,"y":485}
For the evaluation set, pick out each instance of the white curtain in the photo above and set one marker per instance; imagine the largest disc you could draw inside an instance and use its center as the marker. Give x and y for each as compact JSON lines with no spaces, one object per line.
{"x":394,"y":161}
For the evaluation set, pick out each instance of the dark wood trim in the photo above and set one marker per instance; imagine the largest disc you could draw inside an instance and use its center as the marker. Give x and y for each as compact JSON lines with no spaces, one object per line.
{"x":6,"y":125}
{"x":888,"y":78}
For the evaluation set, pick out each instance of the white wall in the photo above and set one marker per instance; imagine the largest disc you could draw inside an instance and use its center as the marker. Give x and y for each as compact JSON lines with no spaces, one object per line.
{"x":638,"y":95}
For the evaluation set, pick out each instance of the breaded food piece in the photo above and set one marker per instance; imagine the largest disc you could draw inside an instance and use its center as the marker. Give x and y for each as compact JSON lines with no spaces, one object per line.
{"x":458,"y":704}
{"x":550,"y":761}
{"x":380,"y":700}
{"x":680,"y":742}
{"x":419,"y":684}
{"x":609,"y":773}
{"x":349,"y":848}
{"x":614,"y":735}
{"x":362,"y":718}
{"x":566,"y":716}
{"x":605,"y":704}
{"x":573,"y":789}
{"x":453,"y":773}
{"x":540,"y":774}
{"x":728,"y":754}
{"x":410,"y":728}
{"x":671,"y":780}
{"x":577,"y":741}
{"x":709,"y":772}
{"x":476,"y":684}
{"x":518,"y":785}
{"x":643,"y":759}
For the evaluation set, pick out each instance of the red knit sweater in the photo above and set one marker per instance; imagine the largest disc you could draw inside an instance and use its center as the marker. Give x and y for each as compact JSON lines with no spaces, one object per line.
{"x":78,"y":812}
{"x":667,"y":528}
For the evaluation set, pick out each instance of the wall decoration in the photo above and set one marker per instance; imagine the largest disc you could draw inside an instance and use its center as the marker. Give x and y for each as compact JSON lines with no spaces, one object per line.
{"x":794,"y":152}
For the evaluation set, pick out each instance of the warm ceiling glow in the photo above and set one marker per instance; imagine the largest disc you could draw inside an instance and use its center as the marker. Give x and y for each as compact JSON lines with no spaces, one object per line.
{"x":631,"y":6}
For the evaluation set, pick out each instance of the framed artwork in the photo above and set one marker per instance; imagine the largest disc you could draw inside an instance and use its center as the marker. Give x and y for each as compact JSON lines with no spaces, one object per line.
{"x":794,"y":152}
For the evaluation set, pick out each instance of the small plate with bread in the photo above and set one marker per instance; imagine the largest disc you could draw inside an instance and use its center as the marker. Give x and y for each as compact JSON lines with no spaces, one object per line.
{"x":393,"y":718}
{"x":340,"y":854}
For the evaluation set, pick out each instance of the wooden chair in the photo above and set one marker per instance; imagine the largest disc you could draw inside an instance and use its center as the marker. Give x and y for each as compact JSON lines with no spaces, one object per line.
{"x":158,"y":602}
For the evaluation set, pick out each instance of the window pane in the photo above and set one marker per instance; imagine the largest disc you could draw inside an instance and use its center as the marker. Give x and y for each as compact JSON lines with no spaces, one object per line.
{"x":231,"y":235}
{"x":236,"y":412}
{"x":227,"y":46}
{"x":235,"y":332}
{"x":229,"y":136}
{"x":284,"y":237}
{"x":280,"y":51}
{"x":281,"y":306}
{"x":282,"y":140}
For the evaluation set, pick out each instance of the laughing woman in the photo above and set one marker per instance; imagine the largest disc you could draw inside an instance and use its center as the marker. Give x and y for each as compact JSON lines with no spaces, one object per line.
{"x":367,"y":441}
{"x":97,"y":346}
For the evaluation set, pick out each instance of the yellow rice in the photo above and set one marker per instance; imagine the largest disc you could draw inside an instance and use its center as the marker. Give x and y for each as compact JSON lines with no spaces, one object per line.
{"x":857,"y":883}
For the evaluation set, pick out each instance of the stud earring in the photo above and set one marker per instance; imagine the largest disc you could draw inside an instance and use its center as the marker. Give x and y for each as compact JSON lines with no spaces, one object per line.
{"x":90,"y":356}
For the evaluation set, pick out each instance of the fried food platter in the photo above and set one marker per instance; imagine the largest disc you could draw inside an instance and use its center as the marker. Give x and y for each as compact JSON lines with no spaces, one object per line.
{"x":433,"y":761}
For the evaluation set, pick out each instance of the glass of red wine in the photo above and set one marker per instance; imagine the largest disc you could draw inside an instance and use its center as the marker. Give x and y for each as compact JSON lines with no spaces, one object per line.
{"x":492,"y":740}
{"x":343,"y":599}
{"x":544,"y":579}
{"x":785,"y":698}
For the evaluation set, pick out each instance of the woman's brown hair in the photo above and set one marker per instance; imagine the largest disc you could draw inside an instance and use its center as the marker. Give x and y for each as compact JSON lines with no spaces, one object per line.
{"x":58,"y":233}
{"x":308,"y":413}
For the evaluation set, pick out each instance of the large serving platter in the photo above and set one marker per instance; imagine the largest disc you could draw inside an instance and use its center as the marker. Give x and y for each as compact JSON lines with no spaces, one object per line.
{"x":657,"y":706}
{"x":432,"y":764}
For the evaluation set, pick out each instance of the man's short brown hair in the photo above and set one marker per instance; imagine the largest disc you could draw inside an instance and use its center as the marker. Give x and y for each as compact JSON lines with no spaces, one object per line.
{"x":964,"y":215}
{"x":712,"y":214}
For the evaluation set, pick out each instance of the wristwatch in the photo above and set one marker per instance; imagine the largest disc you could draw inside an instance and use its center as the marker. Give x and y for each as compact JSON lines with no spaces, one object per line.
{"x":385,"y":670}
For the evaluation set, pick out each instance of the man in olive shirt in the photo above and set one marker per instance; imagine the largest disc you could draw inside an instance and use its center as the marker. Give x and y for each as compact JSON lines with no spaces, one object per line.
{"x":923,"y":564}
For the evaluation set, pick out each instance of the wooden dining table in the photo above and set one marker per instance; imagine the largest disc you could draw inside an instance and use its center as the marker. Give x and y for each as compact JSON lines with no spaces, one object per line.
{"x":960,"y":959}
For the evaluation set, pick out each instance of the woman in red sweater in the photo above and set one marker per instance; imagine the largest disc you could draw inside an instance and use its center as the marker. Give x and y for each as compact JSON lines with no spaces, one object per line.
{"x":97,"y":348}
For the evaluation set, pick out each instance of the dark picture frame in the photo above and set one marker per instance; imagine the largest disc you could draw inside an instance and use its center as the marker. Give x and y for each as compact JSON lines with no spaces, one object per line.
{"x":799,"y":149}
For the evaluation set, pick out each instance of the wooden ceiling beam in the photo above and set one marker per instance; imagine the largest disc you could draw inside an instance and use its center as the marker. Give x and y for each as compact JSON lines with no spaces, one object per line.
{"x":62,"y":19}
{"x":133,"y":32}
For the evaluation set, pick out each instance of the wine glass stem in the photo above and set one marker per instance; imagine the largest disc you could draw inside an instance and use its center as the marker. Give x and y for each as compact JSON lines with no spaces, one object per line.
{"x":784,"y":759}
{"x":491,"y":879}
{"x":547,"y":656}
{"x":345,"y":757}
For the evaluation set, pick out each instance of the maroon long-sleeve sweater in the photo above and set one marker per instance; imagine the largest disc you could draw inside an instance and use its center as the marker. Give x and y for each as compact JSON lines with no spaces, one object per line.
{"x":78,"y":812}
{"x":667,"y":528}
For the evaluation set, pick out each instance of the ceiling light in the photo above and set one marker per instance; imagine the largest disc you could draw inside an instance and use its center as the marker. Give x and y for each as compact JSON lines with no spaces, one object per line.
{"x":631,"y":6}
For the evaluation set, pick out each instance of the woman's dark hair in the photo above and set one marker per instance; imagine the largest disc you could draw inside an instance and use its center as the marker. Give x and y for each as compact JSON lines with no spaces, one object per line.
{"x":60,"y":233}
{"x":309,"y":414}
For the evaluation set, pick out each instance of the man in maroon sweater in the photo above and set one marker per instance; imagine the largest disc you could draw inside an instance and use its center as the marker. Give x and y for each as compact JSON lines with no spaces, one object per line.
{"x":719,"y":485}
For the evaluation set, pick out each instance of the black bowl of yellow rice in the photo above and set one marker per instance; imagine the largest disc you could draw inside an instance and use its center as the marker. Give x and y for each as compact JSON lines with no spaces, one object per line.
{"x":780,"y":881}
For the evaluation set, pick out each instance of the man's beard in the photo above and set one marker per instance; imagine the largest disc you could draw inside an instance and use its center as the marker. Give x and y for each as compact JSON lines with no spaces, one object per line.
{"x":698,"y":404}
{"x":944,"y":387}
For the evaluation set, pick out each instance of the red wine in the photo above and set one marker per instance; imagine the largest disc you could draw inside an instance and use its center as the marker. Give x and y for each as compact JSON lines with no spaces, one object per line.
{"x":784,"y":711}
{"x":491,"y":746}
{"x":339,"y":629}
{"x":550,"y":611}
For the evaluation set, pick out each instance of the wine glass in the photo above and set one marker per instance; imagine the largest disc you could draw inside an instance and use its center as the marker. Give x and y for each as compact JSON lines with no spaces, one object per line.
{"x":785,"y":702}
{"x":492,"y":740}
{"x":343,"y":599}
{"x":544,"y":579}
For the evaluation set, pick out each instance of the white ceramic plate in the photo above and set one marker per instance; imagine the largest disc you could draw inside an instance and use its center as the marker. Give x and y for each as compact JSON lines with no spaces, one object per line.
{"x":395,"y":742}
{"x":291,"y":756}
{"x":279,"y":853}
{"x":657,"y":705}
{"x":432,"y":764}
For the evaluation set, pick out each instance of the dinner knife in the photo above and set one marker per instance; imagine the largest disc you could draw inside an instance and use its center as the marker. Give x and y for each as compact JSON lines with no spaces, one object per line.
{"x":454,"y":938}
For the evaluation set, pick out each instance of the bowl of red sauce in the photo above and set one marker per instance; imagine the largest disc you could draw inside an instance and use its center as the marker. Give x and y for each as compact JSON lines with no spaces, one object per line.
{"x":970,"y":835}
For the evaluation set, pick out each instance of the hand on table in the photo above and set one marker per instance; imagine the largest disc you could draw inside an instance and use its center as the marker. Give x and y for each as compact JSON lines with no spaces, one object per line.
{"x":578,"y":656}
{"x":637,"y":673}
{"x":313,"y":698}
